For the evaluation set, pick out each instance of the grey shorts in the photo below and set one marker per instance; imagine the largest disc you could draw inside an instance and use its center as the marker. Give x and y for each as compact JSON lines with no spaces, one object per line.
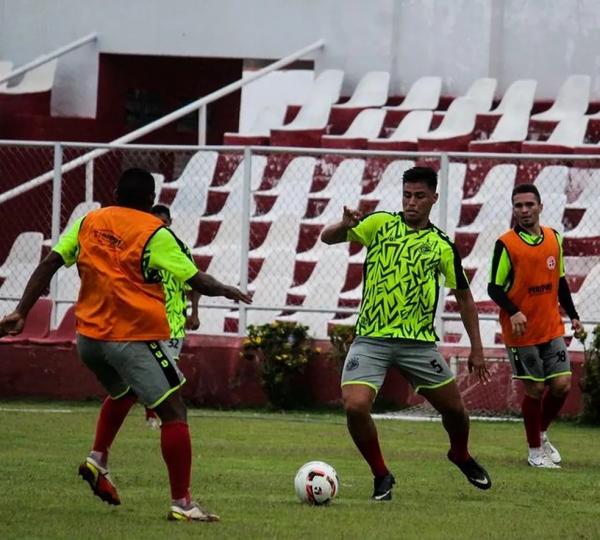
{"x":174,"y":345}
{"x":149,"y":368}
{"x":421,"y":363}
{"x":540,"y":362}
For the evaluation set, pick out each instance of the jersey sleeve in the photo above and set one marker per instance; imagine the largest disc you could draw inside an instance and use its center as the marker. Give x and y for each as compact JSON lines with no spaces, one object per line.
{"x":165,"y":252}
{"x":452,"y":269}
{"x":365,"y":231}
{"x":560,"y":254}
{"x":68,"y":244}
{"x":501,"y":267}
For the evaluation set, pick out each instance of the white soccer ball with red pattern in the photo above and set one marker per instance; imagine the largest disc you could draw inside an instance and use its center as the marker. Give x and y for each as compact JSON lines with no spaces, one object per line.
{"x":316,"y":482}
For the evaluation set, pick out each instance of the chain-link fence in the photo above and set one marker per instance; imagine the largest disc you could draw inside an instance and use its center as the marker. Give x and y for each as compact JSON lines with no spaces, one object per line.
{"x":253,"y":217}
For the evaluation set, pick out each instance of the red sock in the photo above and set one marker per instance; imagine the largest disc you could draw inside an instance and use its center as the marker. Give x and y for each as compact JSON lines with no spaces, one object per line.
{"x":112,"y":415}
{"x":551,"y":406}
{"x":532,"y":419}
{"x":150,"y":413}
{"x":176,"y":449}
{"x":371,"y":451}
{"x":459,"y":445}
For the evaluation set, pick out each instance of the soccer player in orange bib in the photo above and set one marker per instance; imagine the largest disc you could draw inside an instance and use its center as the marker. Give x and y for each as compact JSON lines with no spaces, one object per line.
{"x":122,"y":328}
{"x":527,"y":281}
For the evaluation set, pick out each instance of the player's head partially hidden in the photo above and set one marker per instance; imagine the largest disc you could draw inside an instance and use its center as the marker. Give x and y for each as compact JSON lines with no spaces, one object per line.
{"x":163,"y":213}
{"x":419,"y":186}
{"x":527,"y":206}
{"x":135,"y":189}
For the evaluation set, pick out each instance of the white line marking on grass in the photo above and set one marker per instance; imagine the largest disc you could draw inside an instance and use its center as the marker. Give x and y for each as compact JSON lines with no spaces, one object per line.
{"x":414,"y":418}
{"x":30,"y":410}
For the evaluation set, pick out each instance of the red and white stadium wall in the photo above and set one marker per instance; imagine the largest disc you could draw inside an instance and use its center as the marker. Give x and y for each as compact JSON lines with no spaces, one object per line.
{"x":217,"y":376}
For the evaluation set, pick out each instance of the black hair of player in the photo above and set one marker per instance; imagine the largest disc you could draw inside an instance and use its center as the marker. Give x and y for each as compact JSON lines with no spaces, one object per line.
{"x":421,"y":174}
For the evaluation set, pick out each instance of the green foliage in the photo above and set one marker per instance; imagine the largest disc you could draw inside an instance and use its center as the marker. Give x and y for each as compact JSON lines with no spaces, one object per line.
{"x":341,"y":337}
{"x":590,"y":384}
{"x":283,"y":351}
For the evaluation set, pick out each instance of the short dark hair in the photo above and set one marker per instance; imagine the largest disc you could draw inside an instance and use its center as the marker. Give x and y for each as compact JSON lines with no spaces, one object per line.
{"x":421,"y":174}
{"x":526,"y":188}
{"x":161,"y":209}
{"x":134,"y":187}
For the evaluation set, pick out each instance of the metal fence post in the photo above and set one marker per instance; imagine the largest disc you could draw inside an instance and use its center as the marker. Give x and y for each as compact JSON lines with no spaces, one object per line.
{"x":245,"y":236}
{"x":202,"y":125}
{"x":443,"y":182}
{"x":89,"y":181}
{"x":55,"y":231}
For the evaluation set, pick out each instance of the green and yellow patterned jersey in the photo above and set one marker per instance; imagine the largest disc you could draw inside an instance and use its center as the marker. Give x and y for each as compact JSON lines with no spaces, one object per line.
{"x":176,"y":297}
{"x":402,"y":276}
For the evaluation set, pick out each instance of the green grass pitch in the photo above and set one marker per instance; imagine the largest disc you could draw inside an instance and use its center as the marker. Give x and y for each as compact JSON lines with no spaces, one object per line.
{"x":244,"y":466}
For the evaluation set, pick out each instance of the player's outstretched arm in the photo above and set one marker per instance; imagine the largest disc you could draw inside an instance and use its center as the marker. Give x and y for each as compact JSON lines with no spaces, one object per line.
{"x":470,"y":319}
{"x":209,"y":286}
{"x":338,"y":232}
{"x":13,"y":323}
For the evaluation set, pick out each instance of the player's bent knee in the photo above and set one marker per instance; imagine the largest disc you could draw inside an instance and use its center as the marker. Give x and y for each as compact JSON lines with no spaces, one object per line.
{"x":172,"y":409}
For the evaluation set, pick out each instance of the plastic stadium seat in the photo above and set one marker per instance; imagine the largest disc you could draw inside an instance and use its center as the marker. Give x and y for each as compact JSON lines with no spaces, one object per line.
{"x":552,"y":179}
{"x":311,"y":121}
{"x":81,"y":210}
{"x":405,"y":137}
{"x":482,"y":92}
{"x":268,"y":118}
{"x":37,"y":80}
{"x":371,"y":91}
{"x":321,"y":291}
{"x":586,"y":299}
{"x":424,"y":94}
{"x":389,"y":188}
{"x":554,"y":209}
{"x":37,"y":323}
{"x":456,"y":129}
{"x":481,"y":253}
{"x":276,"y":273}
{"x":343,"y":189}
{"x":26,"y":250}
{"x":508,"y":134}
{"x":588,"y":187}
{"x":519,"y":96}
{"x":63,"y":335}
{"x":20,"y":263}
{"x":572,"y":100}
{"x":366,"y":125}
{"x":569,"y":133}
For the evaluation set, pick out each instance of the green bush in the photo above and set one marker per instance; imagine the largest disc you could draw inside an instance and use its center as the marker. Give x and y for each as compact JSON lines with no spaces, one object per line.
{"x":590,"y":384}
{"x":341,"y":337}
{"x":283,"y":351}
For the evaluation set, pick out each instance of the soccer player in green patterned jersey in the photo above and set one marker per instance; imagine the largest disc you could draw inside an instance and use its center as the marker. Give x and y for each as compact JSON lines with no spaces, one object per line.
{"x":176,"y":295}
{"x":406,"y":259}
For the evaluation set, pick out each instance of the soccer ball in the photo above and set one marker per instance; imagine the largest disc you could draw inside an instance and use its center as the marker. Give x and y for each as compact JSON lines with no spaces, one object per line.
{"x":316,"y":482}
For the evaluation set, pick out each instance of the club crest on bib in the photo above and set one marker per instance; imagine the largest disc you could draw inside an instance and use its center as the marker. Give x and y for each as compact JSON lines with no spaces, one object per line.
{"x":551,"y":262}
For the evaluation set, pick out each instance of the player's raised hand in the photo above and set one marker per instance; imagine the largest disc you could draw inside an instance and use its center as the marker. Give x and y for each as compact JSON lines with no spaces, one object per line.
{"x":476,"y":364}
{"x":519,"y":323}
{"x":12,"y":324}
{"x":235,"y":294}
{"x":351,"y":217}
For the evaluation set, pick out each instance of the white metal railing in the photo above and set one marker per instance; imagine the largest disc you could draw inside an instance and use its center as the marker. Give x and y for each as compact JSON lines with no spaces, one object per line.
{"x":444,"y":196}
{"x":45,"y":58}
{"x":161,"y":122}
